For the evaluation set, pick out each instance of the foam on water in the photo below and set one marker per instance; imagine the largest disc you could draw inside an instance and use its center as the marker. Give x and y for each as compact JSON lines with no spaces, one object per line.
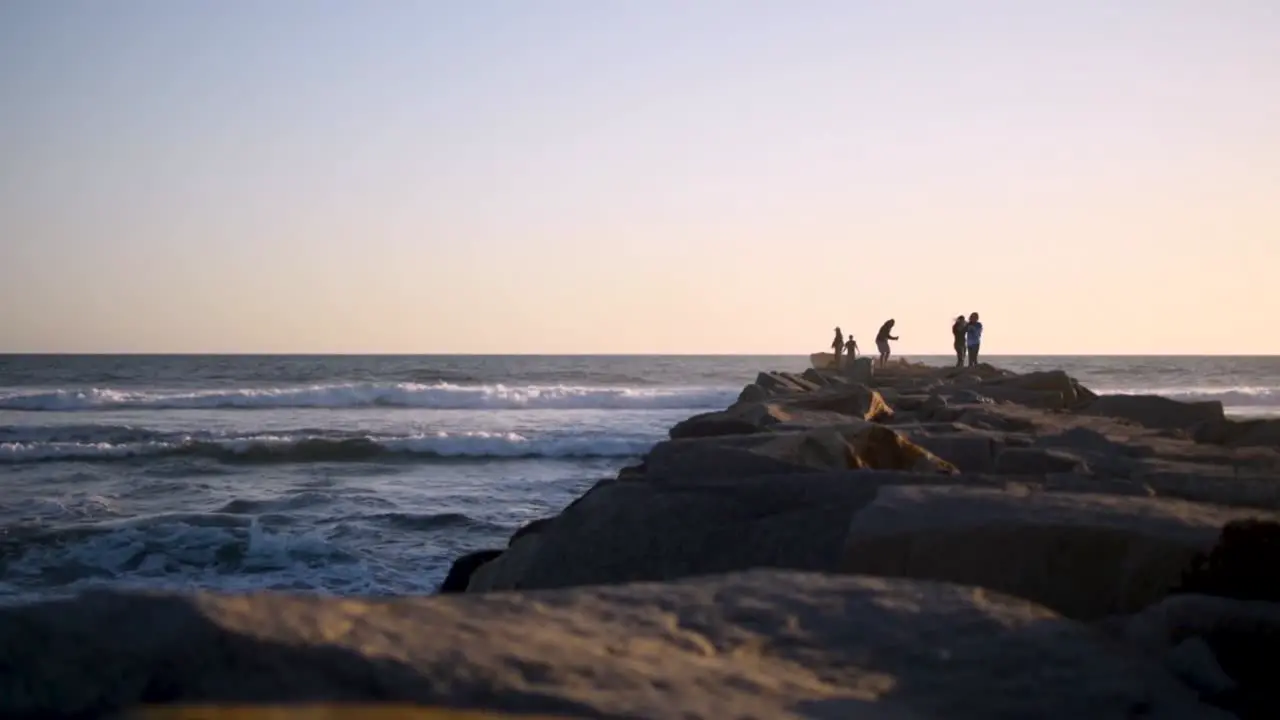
{"x":1245,"y":396}
{"x":182,"y":551}
{"x":441,"y":396}
{"x":303,"y":448}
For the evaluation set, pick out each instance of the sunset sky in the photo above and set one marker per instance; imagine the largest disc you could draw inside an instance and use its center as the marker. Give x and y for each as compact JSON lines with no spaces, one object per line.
{"x":638,"y":176}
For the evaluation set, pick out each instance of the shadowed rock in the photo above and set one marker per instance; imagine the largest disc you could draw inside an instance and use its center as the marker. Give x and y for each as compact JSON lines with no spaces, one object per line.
{"x":1085,"y":555}
{"x":1240,"y":433}
{"x":1154,"y":411}
{"x":1243,"y":564}
{"x":462,"y":569}
{"x":681,"y":526}
{"x":755,"y":645}
{"x":1240,"y":640}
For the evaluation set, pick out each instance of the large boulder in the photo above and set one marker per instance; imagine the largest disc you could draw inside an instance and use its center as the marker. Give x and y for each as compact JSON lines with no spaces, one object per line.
{"x":853,"y":445}
{"x":1154,"y":411}
{"x":860,"y":370}
{"x":800,"y":381}
{"x":1259,"y":432}
{"x":966,"y":449}
{"x":712,"y":424}
{"x":744,"y":418}
{"x":1084,"y":555}
{"x":670,"y":527}
{"x":782,"y":383}
{"x":1239,"y":642}
{"x":753,"y":393}
{"x":855,"y":401}
{"x":1054,"y":383}
{"x":740,"y":419}
{"x":815,"y":377}
{"x":758,"y":645}
{"x":880,"y":448}
{"x":1242,"y":564}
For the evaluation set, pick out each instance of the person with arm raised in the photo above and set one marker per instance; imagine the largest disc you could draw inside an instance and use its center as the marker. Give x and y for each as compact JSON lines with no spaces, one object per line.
{"x":882,"y":340}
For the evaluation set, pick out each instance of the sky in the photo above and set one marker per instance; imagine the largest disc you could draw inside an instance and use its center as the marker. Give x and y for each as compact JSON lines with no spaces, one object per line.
{"x":638,"y":176}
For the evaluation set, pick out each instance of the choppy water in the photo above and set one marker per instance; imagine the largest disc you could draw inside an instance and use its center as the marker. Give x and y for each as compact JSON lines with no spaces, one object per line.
{"x":366,"y":475}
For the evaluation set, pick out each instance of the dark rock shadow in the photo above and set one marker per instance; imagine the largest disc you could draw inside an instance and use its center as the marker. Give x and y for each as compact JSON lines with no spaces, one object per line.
{"x":106,"y":653}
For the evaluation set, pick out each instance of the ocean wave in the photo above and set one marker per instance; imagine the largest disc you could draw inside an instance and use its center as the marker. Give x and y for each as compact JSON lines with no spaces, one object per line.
{"x":1242,"y":396}
{"x":227,"y":550}
{"x":441,"y":396}
{"x":299,"y":449}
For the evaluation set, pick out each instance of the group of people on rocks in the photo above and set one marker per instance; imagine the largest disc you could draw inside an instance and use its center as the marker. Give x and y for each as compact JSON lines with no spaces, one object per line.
{"x":967,"y":334}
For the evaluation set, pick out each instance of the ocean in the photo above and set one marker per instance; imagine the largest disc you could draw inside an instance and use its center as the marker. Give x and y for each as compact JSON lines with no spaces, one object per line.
{"x":364,"y":475}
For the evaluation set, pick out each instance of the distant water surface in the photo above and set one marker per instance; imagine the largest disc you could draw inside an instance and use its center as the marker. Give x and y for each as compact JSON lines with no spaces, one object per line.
{"x":367,"y":475}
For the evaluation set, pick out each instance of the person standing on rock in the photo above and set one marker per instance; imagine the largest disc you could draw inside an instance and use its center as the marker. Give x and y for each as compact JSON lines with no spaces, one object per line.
{"x":838,"y":346}
{"x":973,"y":338}
{"x":958,"y":333}
{"x":851,"y":348}
{"x":882,"y":340}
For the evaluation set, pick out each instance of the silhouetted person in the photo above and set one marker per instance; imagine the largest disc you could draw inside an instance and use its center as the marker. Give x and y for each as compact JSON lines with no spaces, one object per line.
{"x":838,"y":345}
{"x":851,"y":347}
{"x":957,"y":332}
{"x":882,"y":340}
{"x":973,"y":338}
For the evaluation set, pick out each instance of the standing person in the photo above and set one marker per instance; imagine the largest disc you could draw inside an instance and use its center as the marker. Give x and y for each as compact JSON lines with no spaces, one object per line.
{"x":958,"y":334}
{"x":882,"y":340}
{"x":851,"y":348}
{"x":838,"y":346}
{"x":973,"y":338}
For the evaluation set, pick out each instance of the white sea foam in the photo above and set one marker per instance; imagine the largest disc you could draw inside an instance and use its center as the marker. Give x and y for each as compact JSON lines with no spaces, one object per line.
{"x":443,"y":396}
{"x":304,"y":448}
{"x":179,"y":551}
{"x":1240,"y":396}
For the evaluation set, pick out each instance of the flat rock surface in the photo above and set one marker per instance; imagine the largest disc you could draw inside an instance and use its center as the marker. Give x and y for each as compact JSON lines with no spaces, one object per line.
{"x":753,"y":645}
{"x":1085,"y":555}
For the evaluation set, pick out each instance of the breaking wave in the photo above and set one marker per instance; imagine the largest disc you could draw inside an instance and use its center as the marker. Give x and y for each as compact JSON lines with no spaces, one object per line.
{"x":225,"y":548}
{"x":1243,"y":396}
{"x":301,"y":449}
{"x":440,"y":395}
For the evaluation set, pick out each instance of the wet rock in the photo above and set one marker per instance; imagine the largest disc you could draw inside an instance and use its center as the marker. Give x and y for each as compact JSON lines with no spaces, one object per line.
{"x":463,"y":568}
{"x":531,"y":528}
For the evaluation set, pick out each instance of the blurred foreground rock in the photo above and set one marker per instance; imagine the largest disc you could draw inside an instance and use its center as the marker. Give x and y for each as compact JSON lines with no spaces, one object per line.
{"x":762,"y":644}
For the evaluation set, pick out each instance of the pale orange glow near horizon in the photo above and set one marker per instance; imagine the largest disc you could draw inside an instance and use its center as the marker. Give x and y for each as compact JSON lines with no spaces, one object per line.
{"x":638,"y":178}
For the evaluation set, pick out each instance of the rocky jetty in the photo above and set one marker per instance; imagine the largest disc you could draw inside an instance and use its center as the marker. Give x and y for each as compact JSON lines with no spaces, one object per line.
{"x":898,"y":542}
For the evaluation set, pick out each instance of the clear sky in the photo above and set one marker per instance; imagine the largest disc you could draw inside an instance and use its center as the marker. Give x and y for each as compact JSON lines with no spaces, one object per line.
{"x":723,"y":176}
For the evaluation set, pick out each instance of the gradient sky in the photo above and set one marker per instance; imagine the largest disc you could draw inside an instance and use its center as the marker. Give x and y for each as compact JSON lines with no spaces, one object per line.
{"x":653,"y":176}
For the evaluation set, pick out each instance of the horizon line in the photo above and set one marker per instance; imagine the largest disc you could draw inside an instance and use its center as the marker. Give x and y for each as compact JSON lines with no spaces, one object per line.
{"x":594,"y":355}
